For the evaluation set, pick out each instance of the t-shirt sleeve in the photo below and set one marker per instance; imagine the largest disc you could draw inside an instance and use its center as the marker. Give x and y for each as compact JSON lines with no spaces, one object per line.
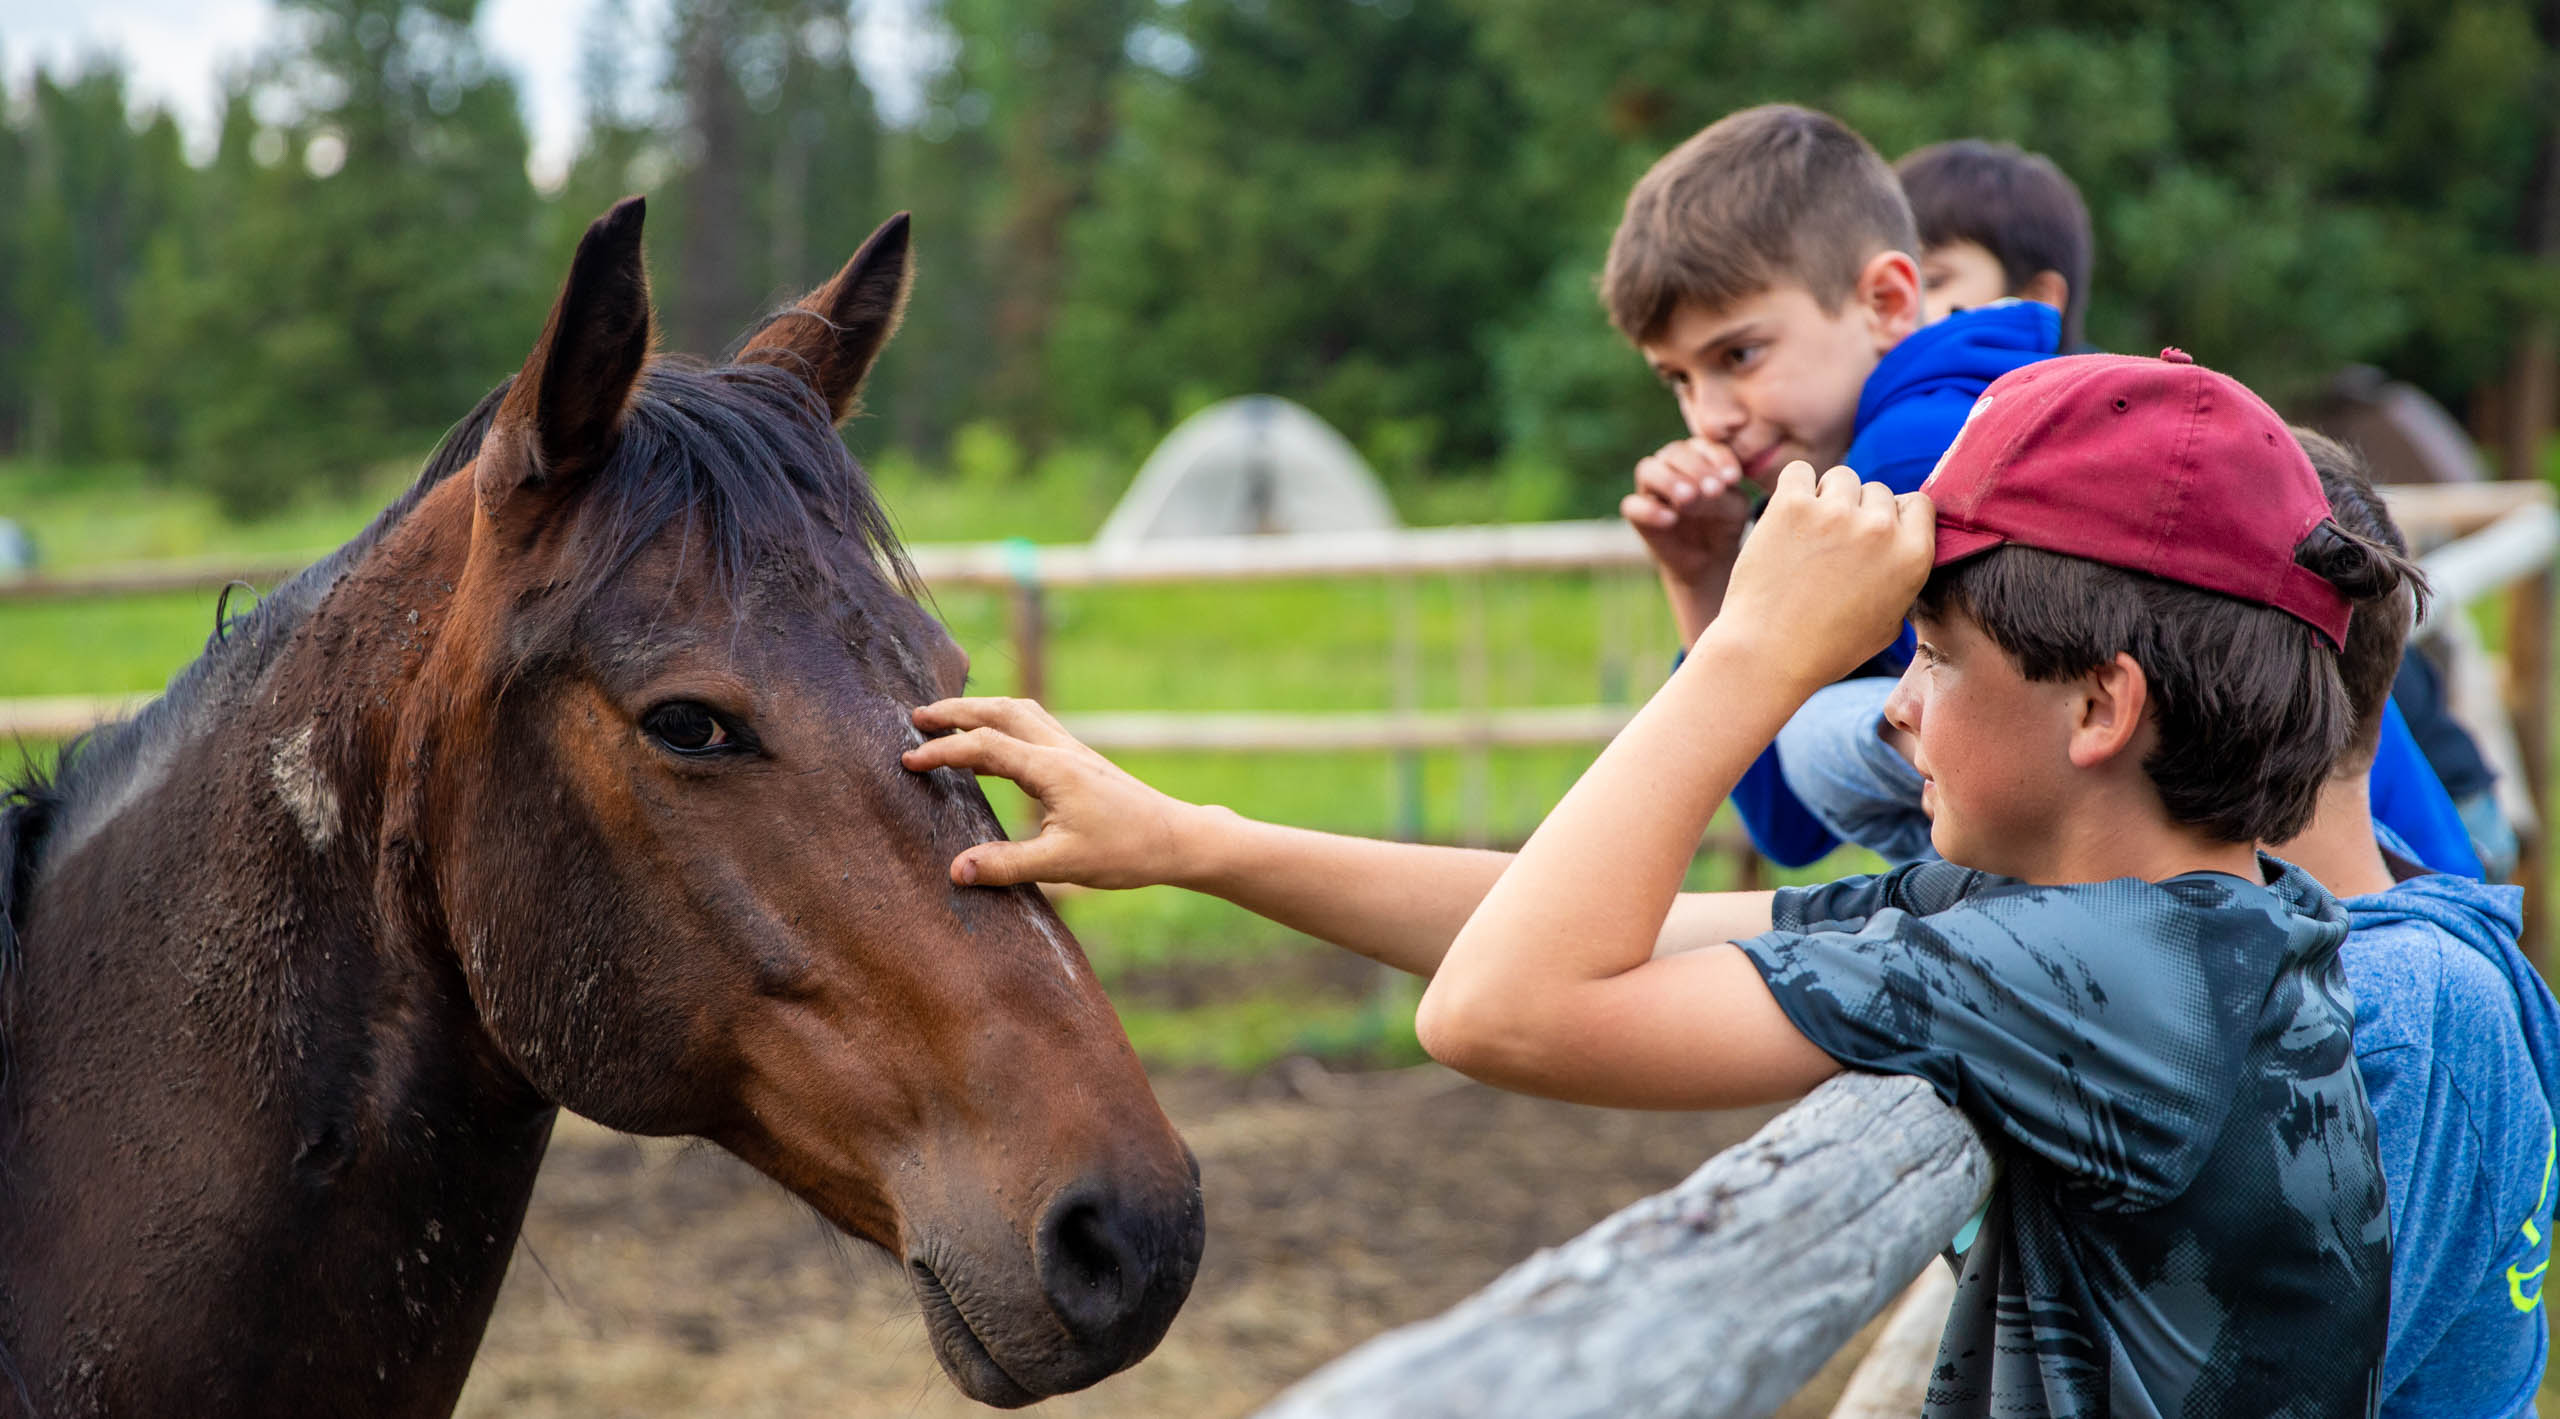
{"x":2042,"y":1012}
{"x":1919,"y":888}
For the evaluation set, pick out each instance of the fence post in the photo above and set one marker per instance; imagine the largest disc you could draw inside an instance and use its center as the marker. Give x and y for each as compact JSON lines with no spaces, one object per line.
{"x":1030,"y":619}
{"x":2529,"y":703}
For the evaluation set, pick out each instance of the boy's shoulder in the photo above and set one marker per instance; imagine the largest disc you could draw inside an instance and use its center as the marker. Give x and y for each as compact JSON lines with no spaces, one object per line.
{"x":1915,"y":400}
{"x":2417,"y":981}
{"x":1935,"y":888}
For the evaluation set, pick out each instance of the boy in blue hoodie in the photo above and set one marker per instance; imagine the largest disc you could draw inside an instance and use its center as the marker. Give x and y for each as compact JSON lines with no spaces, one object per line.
{"x":1763,"y":267}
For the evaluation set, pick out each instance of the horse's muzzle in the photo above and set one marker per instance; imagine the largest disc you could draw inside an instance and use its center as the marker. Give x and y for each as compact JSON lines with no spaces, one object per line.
{"x":1112,"y":1264}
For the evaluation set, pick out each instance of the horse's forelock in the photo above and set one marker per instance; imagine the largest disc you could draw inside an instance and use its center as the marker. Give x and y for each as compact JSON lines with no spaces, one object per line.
{"x":742,"y":464}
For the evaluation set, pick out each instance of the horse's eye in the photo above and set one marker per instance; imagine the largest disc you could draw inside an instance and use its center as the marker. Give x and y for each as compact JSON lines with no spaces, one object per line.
{"x":687,"y":728}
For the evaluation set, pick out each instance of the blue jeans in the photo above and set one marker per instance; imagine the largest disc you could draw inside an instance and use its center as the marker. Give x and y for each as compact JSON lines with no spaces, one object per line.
{"x":1836,"y":760}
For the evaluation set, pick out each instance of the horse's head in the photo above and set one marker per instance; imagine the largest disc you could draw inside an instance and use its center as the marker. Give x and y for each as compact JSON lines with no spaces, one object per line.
{"x":655,"y":787}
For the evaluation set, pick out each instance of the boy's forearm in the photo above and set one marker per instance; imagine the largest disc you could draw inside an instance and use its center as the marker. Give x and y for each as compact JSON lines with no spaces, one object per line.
{"x":1397,"y":903}
{"x":1694,"y":603}
{"x":1587,"y":898}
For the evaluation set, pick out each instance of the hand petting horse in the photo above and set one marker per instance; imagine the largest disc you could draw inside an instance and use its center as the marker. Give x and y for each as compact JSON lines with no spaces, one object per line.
{"x":572,"y":782}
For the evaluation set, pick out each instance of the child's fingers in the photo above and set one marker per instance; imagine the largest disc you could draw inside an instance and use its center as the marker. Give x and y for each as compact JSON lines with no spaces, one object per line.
{"x":1006,"y":864}
{"x":1681,"y":476}
{"x":1720,"y":457}
{"x":1027,"y":720}
{"x":1644,"y":512}
{"x":1915,"y":529}
{"x":983,"y":751}
{"x":1658,"y":480}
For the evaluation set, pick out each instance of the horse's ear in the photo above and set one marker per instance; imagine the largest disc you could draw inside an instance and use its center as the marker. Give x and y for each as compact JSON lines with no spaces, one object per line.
{"x":559,"y":419}
{"x":831,"y":338}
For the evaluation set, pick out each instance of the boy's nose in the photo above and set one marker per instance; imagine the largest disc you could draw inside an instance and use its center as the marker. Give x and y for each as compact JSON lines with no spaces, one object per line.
{"x":1711,"y":414}
{"x":1902,"y":707}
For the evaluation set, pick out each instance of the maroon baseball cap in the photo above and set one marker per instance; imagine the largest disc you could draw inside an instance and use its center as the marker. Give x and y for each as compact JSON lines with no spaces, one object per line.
{"x":2158,"y":466}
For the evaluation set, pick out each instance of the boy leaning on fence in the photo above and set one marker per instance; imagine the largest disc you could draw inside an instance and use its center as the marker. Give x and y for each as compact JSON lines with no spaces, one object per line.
{"x":2145,"y":1017}
{"x":1765,"y":269}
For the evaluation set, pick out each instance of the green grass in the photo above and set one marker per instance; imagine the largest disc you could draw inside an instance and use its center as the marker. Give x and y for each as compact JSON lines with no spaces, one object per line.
{"x":96,"y":516}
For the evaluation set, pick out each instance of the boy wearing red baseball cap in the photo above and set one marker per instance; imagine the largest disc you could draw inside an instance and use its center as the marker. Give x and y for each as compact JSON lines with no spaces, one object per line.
{"x":2130,"y":600}
{"x":2129,"y":622}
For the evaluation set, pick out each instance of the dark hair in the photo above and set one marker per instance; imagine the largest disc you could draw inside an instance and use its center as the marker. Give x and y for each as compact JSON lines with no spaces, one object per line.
{"x":2251,"y":710}
{"x":2379,"y":631}
{"x":1757,"y":198}
{"x":2014,"y":204}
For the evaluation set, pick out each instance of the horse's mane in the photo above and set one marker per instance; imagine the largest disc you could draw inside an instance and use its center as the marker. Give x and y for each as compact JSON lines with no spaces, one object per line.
{"x":744,"y":454}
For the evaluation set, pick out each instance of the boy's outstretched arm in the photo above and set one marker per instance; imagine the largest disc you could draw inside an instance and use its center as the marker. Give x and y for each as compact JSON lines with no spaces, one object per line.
{"x":1399,"y":903}
{"x":1553,"y":986}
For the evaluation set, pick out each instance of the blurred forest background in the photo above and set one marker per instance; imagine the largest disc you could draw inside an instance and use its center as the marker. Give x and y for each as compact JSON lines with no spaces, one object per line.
{"x":1389,"y":209}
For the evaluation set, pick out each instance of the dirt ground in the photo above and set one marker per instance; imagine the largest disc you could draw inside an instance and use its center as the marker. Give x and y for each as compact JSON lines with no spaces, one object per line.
{"x":664,"y":1279}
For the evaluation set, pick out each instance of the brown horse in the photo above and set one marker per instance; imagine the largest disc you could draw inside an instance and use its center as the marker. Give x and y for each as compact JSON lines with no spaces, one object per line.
{"x":571,"y":783}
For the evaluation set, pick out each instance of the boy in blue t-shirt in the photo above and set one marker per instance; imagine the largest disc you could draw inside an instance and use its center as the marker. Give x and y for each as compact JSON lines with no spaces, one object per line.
{"x":2145,"y":1017}
{"x":1763,"y":269}
{"x":2458,"y":1040}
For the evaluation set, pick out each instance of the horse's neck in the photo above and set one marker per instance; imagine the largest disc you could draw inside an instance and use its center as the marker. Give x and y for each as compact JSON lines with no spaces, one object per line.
{"x":259,"y":1153}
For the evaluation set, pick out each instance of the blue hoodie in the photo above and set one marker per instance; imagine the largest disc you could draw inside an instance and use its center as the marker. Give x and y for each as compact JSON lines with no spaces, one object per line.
{"x":2458,"y":1039}
{"x":1913,"y":404}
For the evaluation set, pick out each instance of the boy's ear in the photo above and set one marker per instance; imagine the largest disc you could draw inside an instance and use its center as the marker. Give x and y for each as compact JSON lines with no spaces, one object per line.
{"x":1888,"y":290}
{"x":2049,"y":288}
{"x":2113,"y":702}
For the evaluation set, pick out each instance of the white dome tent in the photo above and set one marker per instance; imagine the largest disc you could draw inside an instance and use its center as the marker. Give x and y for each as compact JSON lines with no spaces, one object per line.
{"x":1257,"y":463}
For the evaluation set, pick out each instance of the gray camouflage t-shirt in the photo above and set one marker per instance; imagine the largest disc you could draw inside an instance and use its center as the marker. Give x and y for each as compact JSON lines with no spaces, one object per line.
{"x":2190,"y":1219}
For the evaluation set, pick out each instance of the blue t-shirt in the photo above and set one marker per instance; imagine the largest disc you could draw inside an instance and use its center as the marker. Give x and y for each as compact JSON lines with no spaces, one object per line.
{"x":1909,"y":410}
{"x":2190,"y":1217}
{"x":2458,"y":1040}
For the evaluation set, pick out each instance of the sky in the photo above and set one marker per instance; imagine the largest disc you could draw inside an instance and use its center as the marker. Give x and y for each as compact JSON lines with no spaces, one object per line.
{"x":175,"y":52}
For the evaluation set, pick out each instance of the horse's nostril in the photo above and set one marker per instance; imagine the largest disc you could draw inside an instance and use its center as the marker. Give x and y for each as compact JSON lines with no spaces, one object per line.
{"x":1091,"y":1263}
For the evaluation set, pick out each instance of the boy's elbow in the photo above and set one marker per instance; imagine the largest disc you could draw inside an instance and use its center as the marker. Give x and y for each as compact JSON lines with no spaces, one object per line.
{"x":1441,"y":1026}
{"x":1470,"y":1034}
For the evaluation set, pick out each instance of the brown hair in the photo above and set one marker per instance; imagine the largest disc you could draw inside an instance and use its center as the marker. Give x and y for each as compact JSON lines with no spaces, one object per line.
{"x":2379,"y":630}
{"x":1756,"y":199}
{"x":2014,"y":204}
{"x":2252,"y":713}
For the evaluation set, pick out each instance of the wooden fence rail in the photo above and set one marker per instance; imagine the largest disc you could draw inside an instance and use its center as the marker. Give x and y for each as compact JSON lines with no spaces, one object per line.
{"x":1715,"y":1300}
{"x":2428,"y":513}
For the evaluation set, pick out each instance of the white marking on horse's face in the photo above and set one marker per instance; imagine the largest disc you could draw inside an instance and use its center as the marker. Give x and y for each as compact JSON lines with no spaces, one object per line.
{"x":1049,"y":932}
{"x":982,"y":825}
{"x":307,"y":794}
